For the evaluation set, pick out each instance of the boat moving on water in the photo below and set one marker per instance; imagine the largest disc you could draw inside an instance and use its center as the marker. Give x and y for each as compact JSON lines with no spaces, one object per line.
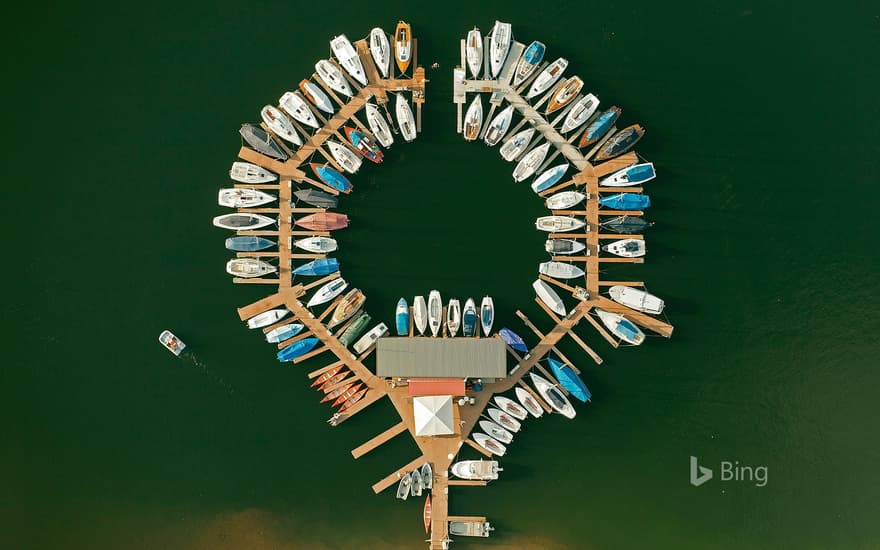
{"x":553,"y":396}
{"x":570,"y":380}
{"x":621,"y":327}
{"x":171,"y":342}
{"x":531,"y":58}
{"x":636,"y":299}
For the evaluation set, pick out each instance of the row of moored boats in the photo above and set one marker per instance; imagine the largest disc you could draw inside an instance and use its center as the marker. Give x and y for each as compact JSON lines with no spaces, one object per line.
{"x":432,"y":315}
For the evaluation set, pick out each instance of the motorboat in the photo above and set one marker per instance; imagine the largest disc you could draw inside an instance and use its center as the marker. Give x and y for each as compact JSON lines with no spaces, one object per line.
{"x":510,"y":407}
{"x":245,"y":172}
{"x":516,"y":144}
{"x":564,"y":199}
{"x":621,"y":327}
{"x":531,"y":58}
{"x":551,"y":394}
{"x":402,"y":45}
{"x":565,"y":94}
{"x":351,"y":303}
{"x":560,"y":270}
{"x":316,"y":198}
{"x":348,"y":58}
{"x":427,"y":475}
{"x":530,"y":162}
{"x":473,"y":119}
{"x":349,"y":161}
{"x":489,"y":443}
{"x":529,"y":402}
{"x":580,"y":112}
{"x":557,"y":224}
{"x":513,"y":340}
{"x":453,"y":316}
{"x":549,"y":177}
{"x":261,"y":142}
{"x":316,"y":95}
{"x":355,"y":329}
{"x":599,"y":127}
{"x":297,"y":349}
{"x":631,"y":175}
{"x":370,"y":337}
{"x":331,"y":177}
{"x":378,"y":125}
{"x":380,"y":49}
{"x":327,"y":292}
{"x":564,"y":247}
{"x":420,"y":314}
{"x":364,"y":144}
{"x":499,"y":46}
{"x":469,"y":318}
{"x":480,"y":470}
{"x":403,"y":486}
{"x":321,"y":266}
{"x":620,"y":143}
{"x":239,"y":197}
{"x":625,"y":224}
{"x":498,"y":126}
{"x":636,"y":299}
{"x":248,"y":268}
{"x":284,"y":332}
{"x":549,"y":296}
{"x":503,"y":419}
{"x":171,"y":342}
{"x":297,"y":107}
{"x":496,"y":431}
{"x":626,"y":248}
{"x":280,"y":124}
{"x":405,"y":118}
{"x":248,"y":243}
{"x":242,"y":220}
{"x":470,"y":528}
{"x":416,"y":487}
{"x":474,"y":51}
{"x":435,"y":312}
{"x":267,"y":318}
{"x":487,"y":314}
{"x":547,"y":77}
{"x":333,"y":77}
{"x":626,"y":201}
{"x":569,"y":380}
{"x":323,"y":221}
{"x":401,"y":317}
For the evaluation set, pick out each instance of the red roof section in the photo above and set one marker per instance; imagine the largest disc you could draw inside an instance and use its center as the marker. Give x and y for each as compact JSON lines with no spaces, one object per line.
{"x":436,"y":386}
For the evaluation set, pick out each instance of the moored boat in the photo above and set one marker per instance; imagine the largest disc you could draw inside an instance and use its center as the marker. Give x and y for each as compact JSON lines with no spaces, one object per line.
{"x":531,"y":58}
{"x":529,"y":402}
{"x":331,"y":177}
{"x":316,"y":95}
{"x":563,"y":247}
{"x":349,"y":387}
{"x":636,"y":299}
{"x":318,"y":245}
{"x":327,"y":292}
{"x":547,"y":77}
{"x":503,"y":419}
{"x":599,"y":127}
{"x":280,"y":124}
{"x":470,"y":528}
{"x":426,"y":512}
{"x":580,"y":112}
{"x":333,"y":77}
{"x":355,"y":329}
{"x":350,"y":392}
{"x":549,"y":177}
{"x":564,"y":199}
{"x":513,"y":340}
{"x":635,"y":174}
{"x":487,"y":314}
{"x":498,"y":126}
{"x":549,"y":296}
{"x":557,"y":224}
{"x":403,"y":487}
{"x":171,"y":342}
{"x":626,"y":201}
{"x":565,"y":94}
{"x":620,"y":143}
{"x":570,"y":380}
{"x":297,"y":107}
{"x":349,"y":161}
{"x":625,"y":224}
{"x":296,"y":349}
{"x":420,"y":314}
{"x":327,"y":375}
{"x":496,"y":431}
{"x":378,"y":125}
{"x":321,"y":266}
{"x":351,"y":303}
{"x":453,"y":316}
{"x":621,"y":327}
{"x":499,"y":46}
{"x":284,"y":332}
{"x":516,"y":144}
{"x":560,"y":270}
{"x":353,"y":399}
{"x":401,"y":317}
{"x":626,"y":248}
{"x":316,"y":198}
{"x":248,"y":268}
{"x":469,"y":318}
{"x":348,"y":58}
{"x":248,"y":243}
{"x":240,"y":197}
{"x":551,"y":394}
{"x":364,"y":144}
{"x":323,"y":221}
{"x":242,"y":220}
{"x":509,"y":406}
{"x":481,"y":470}
{"x":380,"y":49}
{"x":416,"y":487}
{"x":489,"y":443}
{"x":258,"y":140}
{"x":402,"y":45}
{"x":427,"y":475}
{"x":474,"y":51}
{"x":530,"y":162}
{"x":405,"y":118}
{"x":245,"y":172}
{"x":371,"y":336}
{"x":435,"y":312}
{"x":267,"y":318}
{"x":473,"y":119}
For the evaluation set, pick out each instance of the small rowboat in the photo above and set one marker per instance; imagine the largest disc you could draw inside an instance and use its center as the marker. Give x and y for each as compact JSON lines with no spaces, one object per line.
{"x":510,"y":407}
{"x":403,"y":487}
{"x":327,"y":375}
{"x":504,"y":420}
{"x":529,"y":402}
{"x":427,"y":475}
{"x":490,"y":444}
{"x":426,"y":514}
{"x":353,"y":399}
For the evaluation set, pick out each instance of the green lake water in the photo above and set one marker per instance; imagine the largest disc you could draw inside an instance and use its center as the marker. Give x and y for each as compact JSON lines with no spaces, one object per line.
{"x":122,"y":121}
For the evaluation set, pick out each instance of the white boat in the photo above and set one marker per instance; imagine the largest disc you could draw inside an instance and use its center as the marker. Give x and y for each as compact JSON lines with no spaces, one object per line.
{"x":560,"y":270}
{"x":378,"y":125}
{"x":470,"y":528}
{"x":474,"y":51}
{"x":489,"y":443}
{"x":473,"y":119}
{"x":627,"y":248}
{"x":280,"y":124}
{"x":316,"y":95}
{"x":498,"y":127}
{"x":516,"y":144}
{"x":402,"y":45}
{"x":242,"y":220}
{"x":327,"y":292}
{"x":348,"y":58}
{"x":547,"y":78}
{"x":435,"y":312}
{"x":279,"y":334}
{"x":245,"y":172}
{"x":549,"y":177}
{"x":380,"y":50}
{"x":621,"y":327}
{"x":405,"y":118}
{"x":367,"y":339}
{"x":333,"y":77}
{"x":453,"y":316}
{"x":499,"y":45}
{"x":416,"y":487}
{"x":267,"y":318}
{"x":171,"y":342}
{"x":403,"y":487}
{"x":631,"y":175}
{"x":564,"y":199}
{"x":420,"y":314}
{"x":549,"y":296}
{"x":297,"y":107}
{"x":503,"y":419}
{"x":529,"y":402}
{"x":487,"y":314}
{"x":558,"y":224}
{"x":551,"y":394}
{"x":318,"y":245}
{"x":580,"y":112}
{"x":239,"y":197}
{"x":247,"y":268}
{"x":346,"y":158}
{"x":427,"y":475}
{"x":529,"y":164}
{"x":563,"y":246}
{"x":636,"y":299}
{"x":510,"y":406}
{"x":482,"y":470}
{"x":496,"y":431}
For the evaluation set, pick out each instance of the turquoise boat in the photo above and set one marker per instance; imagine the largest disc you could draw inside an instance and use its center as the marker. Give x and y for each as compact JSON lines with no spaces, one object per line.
{"x":513,"y":340}
{"x":530,"y":59}
{"x":246,"y":243}
{"x":331,"y":177}
{"x":297,"y":349}
{"x":355,"y":329}
{"x":570,"y":380}
{"x":401,"y":317}
{"x":599,"y":127}
{"x":321,"y":266}
{"x":626,"y":201}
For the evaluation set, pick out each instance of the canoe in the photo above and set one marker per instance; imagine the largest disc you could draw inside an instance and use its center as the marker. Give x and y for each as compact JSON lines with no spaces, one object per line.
{"x":474,"y":51}
{"x":469,"y":318}
{"x":242,"y":220}
{"x":499,"y":47}
{"x":626,"y":201}
{"x":625,"y":224}
{"x":331,"y":177}
{"x":297,"y":349}
{"x":321,"y":266}
{"x":498,"y":127}
{"x":298,"y":108}
{"x":378,"y":125}
{"x":364,"y":145}
{"x":435,"y":312}
{"x":563,"y":247}
{"x":316,"y":95}
{"x":402,"y":45}
{"x":487,"y":314}
{"x":416,"y":487}
{"x":549,"y":177}
{"x":280,"y":124}
{"x":636,"y":299}
{"x":405,"y":118}
{"x":249,"y":267}
{"x":481,"y":470}
{"x":513,"y":340}
{"x":318,"y":245}
{"x":350,"y":402}
{"x":333,"y":77}
{"x":267,"y":318}
{"x":473,"y":119}
{"x":370,"y":337}
{"x":626,"y":248}
{"x":599,"y":127}
{"x":564,"y":199}
{"x":558,"y":223}
{"x":510,"y":407}
{"x":529,"y":402}
{"x":427,"y":475}
{"x":547,"y":77}
{"x":420,"y":314}
{"x":401,"y":317}
{"x":489,"y":443}
{"x":327,"y":375}
{"x":323,"y":221}
{"x":621,"y":327}
{"x":503,"y":419}
{"x":516,"y":144}
{"x":549,"y":296}
{"x":403,"y":487}
{"x":327,"y":292}
{"x":344,"y":156}
{"x":530,"y":162}
{"x":258,"y":140}
{"x":245,"y":172}
{"x":352,"y":302}
{"x":284,"y":332}
{"x":380,"y":49}
{"x":553,"y":396}
{"x":620,"y":143}
{"x":531,"y":58}
{"x":426,"y":513}
{"x":247,"y":243}
{"x":453,"y":317}
{"x":631,"y":175}
{"x":316,"y":198}
{"x":560,"y":270}
{"x":570,"y":380}
{"x":346,"y":395}
{"x":355,"y":329}
{"x":331,"y":383}
{"x":243,"y":198}
{"x":496,"y":431}
{"x":334,"y":394}
{"x":564,"y":95}
{"x":580,"y":112}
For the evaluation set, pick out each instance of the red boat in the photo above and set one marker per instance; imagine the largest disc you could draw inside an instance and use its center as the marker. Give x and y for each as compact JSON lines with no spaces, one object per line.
{"x":346,"y":396}
{"x":426,"y":514}
{"x":364,"y":145}
{"x":337,"y":392}
{"x":353,"y":399}
{"x":327,"y":375}
{"x":323,"y":221}
{"x":332,"y":381}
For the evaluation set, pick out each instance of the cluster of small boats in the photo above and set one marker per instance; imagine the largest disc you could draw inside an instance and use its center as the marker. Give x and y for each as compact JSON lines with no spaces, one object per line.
{"x":340,"y":386}
{"x":431,"y":316}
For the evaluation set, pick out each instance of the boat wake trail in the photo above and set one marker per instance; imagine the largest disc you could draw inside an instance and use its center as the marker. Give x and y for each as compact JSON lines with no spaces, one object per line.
{"x":212,"y":376}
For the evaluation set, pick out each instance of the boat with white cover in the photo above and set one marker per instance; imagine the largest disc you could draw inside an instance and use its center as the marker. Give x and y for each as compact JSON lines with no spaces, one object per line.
{"x":510,"y":406}
{"x":349,"y":160}
{"x":503,"y":419}
{"x":564,"y":199}
{"x":378,"y":125}
{"x":481,"y":470}
{"x":549,"y":296}
{"x":403,"y":487}
{"x":280,"y":124}
{"x":529,"y":164}
{"x":240,"y":197}
{"x":259,"y":140}
{"x":318,"y":245}
{"x":560,"y":270}
{"x":489,"y":443}
{"x":487,"y":314}
{"x":405,"y":118}
{"x":474,"y":51}
{"x":245,"y":172}
{"x":473,"y":119}
{"x":367,"y":339}
{"x":551,"y":394}
{"x":621,"y":327}
{"x":420,"y":314}
{"x":333,"y":77}
{"x":247,"y":268}
{"x":435,"y":312}
{"x":580,"y":112}
{"x":516,"y":144}
{"x":317,"y":96}
{"x":529,"y":402}
{"x":242,"y":220}
{"x":348,"y":58}
{"x":416,"y":486}
{"x":626,"y":248}
{"x":498,"y":127}
{"x":547,"y":77}
{"x":636,"y":299}
{"x":380,"y":49}
{"x":558,"y":224}
{"x":453,"y":316}
{"x":499,"y":46}
{"x":297,"y":107}
{"x":267,"y":318}
{"x":327,"y":292}
{"x":563,"y":246}
{"x":496,"y":431}
{"x":284,"y":332}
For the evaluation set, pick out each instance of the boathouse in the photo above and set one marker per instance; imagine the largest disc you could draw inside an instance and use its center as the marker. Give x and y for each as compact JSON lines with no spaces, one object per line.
{"x":441,"y":358}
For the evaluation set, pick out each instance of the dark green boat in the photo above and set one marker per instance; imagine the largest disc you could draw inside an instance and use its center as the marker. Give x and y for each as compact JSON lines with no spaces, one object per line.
{"x":355,"y":329}
{"x":625,"y":224}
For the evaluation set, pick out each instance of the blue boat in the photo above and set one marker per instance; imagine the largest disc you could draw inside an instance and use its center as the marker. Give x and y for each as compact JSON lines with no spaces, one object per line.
{"x":469,"y":318}
{"x":401,"y":316}
{"x":549,"y":178}
{"x":322,"y":266}
{"x":626,"y":201}
{"x":570,"y":380}
{"x":513,"y":340}
{"x":296,"y":349}
{"x":599,"y":127}
{"x":248,"y":244}
{"x":331,"y":177}
{"x":530,"y":59}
